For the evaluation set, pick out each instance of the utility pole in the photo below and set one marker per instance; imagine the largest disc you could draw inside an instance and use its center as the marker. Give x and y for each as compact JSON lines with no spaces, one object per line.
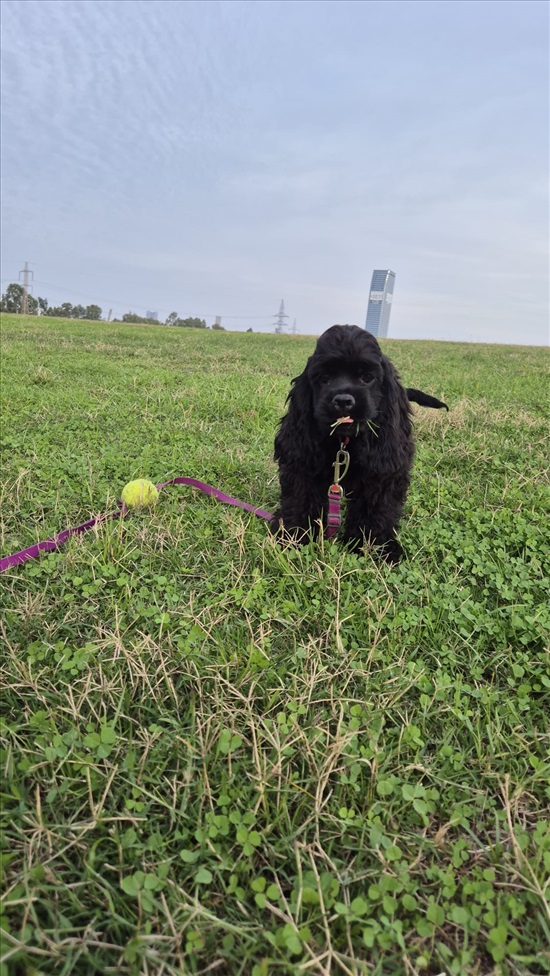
{"x":294,"y":327}
{"x":26,"y":272}
{"x":281,"y":316}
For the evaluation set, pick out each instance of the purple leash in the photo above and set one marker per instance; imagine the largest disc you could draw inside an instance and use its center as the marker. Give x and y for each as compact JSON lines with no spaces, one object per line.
{"x":336,"y":492}
{"x":334,"y":517}
{"x":49,"y":544}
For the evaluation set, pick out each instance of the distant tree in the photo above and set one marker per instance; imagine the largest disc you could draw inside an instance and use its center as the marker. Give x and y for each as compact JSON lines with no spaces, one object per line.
{"x":79,"y":312}
{"x":134,"y":319}
{"x":219,"y":328}
{"x":12,"y":300}
{"x":92,"y":312}
{"x":43,"y":305}
{"x":64,"y":311}
{"x":250,"y":330}
{"x":191,"y":323}
{"x":172,"y":318}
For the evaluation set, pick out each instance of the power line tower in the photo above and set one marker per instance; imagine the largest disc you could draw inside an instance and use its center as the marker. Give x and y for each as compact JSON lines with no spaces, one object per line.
{"x":26,"y":272}
{"x":280,"y":318}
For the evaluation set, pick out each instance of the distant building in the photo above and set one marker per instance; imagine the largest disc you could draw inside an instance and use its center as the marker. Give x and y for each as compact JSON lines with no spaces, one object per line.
{"x":380,"y":301}
{"x":153,"y":315}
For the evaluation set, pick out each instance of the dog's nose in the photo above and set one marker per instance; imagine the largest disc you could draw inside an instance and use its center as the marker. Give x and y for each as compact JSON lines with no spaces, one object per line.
{"x":343,"y":401}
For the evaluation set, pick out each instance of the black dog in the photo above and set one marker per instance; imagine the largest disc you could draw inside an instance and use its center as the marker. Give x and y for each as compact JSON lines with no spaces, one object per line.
{"x":349,"y":377}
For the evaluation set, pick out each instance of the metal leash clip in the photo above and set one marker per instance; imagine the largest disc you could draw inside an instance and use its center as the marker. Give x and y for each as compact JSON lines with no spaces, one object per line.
{"x":342,"y":461}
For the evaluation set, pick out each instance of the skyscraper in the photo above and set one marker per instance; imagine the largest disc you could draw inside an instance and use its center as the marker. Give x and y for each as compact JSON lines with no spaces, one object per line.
{"x":380,"y":299}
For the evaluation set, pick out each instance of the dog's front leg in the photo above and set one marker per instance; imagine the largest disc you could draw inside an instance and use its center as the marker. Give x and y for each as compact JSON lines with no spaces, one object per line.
{"x":301,"y":508}
{"x":373,"y":516}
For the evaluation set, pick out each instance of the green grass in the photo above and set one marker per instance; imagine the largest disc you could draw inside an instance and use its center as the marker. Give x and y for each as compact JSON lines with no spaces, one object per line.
{"x":223,"y":756}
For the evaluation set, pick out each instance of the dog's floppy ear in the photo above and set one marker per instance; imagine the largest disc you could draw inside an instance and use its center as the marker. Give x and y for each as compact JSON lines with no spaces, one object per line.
{"x":295,"y":438}
{"x":392,"y":447}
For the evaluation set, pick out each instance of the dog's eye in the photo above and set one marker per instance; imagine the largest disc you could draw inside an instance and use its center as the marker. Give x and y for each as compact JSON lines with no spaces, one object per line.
{"x":324,"y":378}
{"x":366,"y":377}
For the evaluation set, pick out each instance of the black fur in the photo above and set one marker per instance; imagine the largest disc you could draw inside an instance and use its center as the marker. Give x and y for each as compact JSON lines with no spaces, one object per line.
{"x":425,"y":400}
{"x":347,"y":375}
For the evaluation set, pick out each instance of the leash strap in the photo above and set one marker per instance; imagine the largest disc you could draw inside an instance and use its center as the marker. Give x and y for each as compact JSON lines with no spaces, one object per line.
{"x":48,"y":544}
{"x":7,"y":562}
{"x":219,"y":495}
{"x":334,"y":517}
{"x":336,"y":492}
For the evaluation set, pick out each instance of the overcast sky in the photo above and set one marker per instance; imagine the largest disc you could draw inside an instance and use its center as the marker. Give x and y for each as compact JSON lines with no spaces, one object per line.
{"x":215,"y":156}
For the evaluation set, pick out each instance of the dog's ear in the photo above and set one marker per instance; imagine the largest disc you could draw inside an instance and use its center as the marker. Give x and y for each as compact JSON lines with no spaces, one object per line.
{"x":294,"y":442}
{"x":392,"y":448}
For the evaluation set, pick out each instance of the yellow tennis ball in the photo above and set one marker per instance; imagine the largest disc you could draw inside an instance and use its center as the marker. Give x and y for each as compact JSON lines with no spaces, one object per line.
{"x":139,"y":494}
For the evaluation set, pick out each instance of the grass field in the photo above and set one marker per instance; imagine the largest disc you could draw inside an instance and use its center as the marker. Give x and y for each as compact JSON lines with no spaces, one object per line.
{"x":222,"y":756}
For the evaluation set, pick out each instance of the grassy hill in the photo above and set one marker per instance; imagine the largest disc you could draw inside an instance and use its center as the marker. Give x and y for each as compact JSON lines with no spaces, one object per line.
{"x":224,"y":756}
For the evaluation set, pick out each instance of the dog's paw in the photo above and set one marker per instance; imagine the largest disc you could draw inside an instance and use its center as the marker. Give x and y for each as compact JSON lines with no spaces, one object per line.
{"x":275,"y":525}
{"x":293,"y":535}
{"x":392,"y":552}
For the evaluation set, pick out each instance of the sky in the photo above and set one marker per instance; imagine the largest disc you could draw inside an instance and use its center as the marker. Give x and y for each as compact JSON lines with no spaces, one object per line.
{"x":212,"y":157}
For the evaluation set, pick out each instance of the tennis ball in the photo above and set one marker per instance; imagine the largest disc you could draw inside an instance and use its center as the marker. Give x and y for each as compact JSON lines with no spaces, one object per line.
{"x":139,"y":494}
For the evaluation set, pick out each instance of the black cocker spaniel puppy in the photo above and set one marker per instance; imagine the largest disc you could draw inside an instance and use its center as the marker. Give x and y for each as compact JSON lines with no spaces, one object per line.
{"x":348,"y":396}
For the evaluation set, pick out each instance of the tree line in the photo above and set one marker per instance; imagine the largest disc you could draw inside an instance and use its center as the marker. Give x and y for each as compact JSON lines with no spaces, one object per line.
{"x":13,"y":301}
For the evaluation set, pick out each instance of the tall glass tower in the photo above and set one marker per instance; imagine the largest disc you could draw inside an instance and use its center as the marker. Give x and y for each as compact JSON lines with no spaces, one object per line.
{"x":380,"y":299}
